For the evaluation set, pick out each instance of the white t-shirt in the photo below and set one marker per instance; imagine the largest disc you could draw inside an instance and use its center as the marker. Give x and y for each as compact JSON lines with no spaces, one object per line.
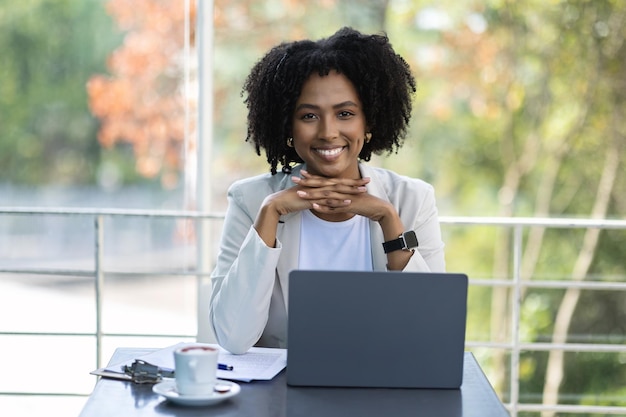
{"x":339,"y":246}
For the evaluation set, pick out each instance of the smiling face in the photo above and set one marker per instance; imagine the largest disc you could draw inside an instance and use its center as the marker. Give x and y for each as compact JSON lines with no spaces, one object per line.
{"x":329,"y":126}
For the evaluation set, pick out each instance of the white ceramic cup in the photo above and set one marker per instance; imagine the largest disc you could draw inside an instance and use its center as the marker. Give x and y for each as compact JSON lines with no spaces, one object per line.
{"x":195,"y":369}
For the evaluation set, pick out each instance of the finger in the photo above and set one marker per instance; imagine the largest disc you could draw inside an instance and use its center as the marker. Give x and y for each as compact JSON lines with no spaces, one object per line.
{"x":330,"y":205}
{"x":307,"y":174}
{"x":335,"y":180}
{"x":325,"y":199}
{"x":320,"y":182}
{"x":316,"y":194}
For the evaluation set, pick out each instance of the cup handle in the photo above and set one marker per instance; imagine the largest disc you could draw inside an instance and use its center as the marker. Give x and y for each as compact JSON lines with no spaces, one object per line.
{"x":193,"y":365}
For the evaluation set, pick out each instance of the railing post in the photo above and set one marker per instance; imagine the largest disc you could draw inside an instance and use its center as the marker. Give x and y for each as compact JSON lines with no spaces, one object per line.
{"x":205,"y":149}
{"x":516,"y":305}
{"x":99,"y":284}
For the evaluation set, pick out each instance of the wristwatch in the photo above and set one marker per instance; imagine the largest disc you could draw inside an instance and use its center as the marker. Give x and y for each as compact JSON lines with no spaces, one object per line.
{"x":406,"y":241}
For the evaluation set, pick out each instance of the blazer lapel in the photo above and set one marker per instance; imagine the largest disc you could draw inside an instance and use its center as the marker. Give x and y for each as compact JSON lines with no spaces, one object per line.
{"x":288,"y":233}
{"x":375,"y":188}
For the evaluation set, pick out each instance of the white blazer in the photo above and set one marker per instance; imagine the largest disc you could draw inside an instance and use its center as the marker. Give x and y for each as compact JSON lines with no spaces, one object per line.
{"x":250,"y":281}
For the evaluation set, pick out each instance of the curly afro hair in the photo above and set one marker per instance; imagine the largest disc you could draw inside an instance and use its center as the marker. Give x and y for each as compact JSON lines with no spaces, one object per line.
{"x":382,"y":79}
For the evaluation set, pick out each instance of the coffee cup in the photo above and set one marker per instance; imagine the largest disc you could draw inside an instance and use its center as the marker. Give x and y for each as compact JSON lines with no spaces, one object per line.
{"x":195,"y":369}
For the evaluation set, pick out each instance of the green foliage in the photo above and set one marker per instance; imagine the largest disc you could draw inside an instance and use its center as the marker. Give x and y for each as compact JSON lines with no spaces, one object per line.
{"x":50,"y":48}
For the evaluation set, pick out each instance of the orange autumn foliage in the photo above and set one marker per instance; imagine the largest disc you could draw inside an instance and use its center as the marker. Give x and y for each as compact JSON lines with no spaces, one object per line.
{"x":141,"y":100}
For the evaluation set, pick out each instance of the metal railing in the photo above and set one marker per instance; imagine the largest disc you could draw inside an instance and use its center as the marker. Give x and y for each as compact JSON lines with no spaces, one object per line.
{"x":516,"y":285}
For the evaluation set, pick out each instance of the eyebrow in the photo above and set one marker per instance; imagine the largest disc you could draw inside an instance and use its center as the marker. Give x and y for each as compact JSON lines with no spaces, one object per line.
{"x":347,"y":103}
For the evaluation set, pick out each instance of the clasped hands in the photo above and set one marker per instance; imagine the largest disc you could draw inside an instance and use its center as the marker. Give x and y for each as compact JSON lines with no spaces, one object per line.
{"x":329,"y":196}
{"x":326,"y":195}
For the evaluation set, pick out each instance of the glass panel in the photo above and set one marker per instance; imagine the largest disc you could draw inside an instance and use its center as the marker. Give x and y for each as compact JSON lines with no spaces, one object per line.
{"x":150,"y":304}
{"x":484,"y":324}
{"x":36,"y":241}
{"x":599,"y":316}
{"x":45,"y":303}
{"x":47,"y":364}
{"x":594,"y":379}
{"x":590,"y":378}
{"x":149,"y":244}
{"x":471,"y":249}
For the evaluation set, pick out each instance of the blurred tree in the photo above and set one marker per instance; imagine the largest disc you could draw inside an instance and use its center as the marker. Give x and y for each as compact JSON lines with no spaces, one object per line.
{"x":142,"y":102}
{"x":49,"y":48}
{"x":532,"y":94}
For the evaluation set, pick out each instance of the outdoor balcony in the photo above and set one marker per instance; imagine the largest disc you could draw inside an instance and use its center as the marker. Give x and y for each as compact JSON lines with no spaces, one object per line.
{"x":75,"y":284}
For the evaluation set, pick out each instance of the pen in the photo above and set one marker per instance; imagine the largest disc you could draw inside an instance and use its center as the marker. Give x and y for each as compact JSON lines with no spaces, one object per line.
{"x":224,"y":367}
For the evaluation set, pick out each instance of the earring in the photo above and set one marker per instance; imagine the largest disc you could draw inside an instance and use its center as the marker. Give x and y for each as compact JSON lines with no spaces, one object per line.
{"x":290,"y":142}
{"x":368,"y":137}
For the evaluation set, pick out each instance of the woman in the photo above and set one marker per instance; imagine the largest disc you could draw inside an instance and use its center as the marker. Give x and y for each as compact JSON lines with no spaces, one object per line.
{"x":325,"y":106}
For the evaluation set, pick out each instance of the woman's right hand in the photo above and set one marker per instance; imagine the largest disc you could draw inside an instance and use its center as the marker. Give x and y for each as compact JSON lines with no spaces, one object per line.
{"x":276,"y":205}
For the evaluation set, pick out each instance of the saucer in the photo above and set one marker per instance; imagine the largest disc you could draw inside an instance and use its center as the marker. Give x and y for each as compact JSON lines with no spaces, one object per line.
{"x":167,"y":388}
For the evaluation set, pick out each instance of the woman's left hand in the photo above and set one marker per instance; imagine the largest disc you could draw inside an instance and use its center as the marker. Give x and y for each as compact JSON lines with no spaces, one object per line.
{"x":340,"y":195}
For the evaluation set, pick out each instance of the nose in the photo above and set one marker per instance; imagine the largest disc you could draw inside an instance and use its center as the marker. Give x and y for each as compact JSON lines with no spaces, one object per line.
{"x":328,"y":129}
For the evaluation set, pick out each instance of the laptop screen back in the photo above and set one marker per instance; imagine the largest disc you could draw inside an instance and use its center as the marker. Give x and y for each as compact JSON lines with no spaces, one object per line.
{"x":376,"y":329}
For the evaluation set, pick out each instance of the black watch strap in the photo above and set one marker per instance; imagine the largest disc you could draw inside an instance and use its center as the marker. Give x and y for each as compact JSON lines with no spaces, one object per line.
{"x":406,"y":241}
{"x":393,"y":245}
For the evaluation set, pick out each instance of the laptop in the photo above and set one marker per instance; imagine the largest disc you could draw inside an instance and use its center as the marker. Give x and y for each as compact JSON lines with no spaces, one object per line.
{"x":376,"y":329}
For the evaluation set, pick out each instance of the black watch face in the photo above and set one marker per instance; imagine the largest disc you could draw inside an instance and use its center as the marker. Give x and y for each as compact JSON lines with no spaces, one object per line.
{"x":410,"y":239}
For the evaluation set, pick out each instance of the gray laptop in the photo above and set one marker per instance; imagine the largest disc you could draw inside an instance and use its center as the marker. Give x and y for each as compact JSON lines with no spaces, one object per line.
{"x":376,"y":329}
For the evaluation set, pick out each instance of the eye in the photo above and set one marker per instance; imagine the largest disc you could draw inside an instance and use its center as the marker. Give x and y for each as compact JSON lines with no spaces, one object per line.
{"x":344,"y":114}
{"x":308,"y":116}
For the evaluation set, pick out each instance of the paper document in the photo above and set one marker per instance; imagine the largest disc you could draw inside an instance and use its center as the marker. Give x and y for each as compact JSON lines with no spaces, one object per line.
{"x":256,"y":364}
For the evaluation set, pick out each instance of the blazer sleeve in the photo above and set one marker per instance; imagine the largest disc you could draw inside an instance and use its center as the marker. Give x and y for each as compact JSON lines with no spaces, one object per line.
{"x":429,"y":256}
{"x":242,"y":280}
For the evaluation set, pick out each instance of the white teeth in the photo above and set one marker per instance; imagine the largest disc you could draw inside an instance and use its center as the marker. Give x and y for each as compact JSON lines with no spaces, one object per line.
{"x":329,"y":152}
